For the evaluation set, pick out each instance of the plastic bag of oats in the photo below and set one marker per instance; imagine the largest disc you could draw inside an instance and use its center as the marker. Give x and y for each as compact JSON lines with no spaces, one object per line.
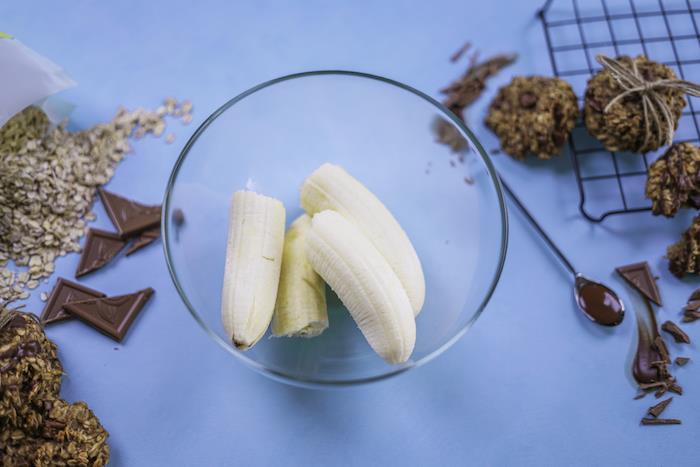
{"x":29,"y":78}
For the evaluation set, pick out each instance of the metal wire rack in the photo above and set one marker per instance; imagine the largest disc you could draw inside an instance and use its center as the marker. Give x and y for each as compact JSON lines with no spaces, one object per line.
{"x":576,"y":31}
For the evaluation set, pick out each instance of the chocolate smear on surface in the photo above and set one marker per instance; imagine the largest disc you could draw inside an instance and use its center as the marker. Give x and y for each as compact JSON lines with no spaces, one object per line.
{"x":677,"y":333}
{"x":655,"y":410}
{"x":100,"y":247}
{"x":144,"y":239}
{"x":111,"y":315}
{"x":129,"y":217}
{"x":660,"y":421}
{"x":64,"y":292}
{"x":640,"y":277}
{"x":681,"y":361}
{"x":642,"y":369}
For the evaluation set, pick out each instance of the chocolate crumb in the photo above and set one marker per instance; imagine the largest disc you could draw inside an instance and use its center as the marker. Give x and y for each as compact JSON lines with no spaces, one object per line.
{"x":677,"y":333}
{"x":681,"y":361}
{"x":468,"y":180}
{"x":640,"y":395}
{"x":673,"y":387}
{"x":660,"y":421}
{"x":655,"y":410}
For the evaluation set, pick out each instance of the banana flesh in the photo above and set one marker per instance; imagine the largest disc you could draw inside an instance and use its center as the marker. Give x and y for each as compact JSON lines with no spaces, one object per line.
{"x":365,"y":282}
{"x":253,"y":261}
{"x":301,"y":298}
{"x":331,"y":187}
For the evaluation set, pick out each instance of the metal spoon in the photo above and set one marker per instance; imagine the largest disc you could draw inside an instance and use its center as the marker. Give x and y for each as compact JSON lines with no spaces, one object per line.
{"x":596,"y":300}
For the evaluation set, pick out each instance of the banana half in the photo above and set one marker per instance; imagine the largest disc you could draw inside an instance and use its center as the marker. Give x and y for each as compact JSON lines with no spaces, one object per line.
{"x":301,"y":298}
{"x":331,"y":187}
{"x":365,"y":282}
{"x":253,"y":262}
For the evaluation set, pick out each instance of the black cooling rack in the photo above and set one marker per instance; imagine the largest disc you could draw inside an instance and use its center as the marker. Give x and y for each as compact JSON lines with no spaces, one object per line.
{"x":576,"y":31}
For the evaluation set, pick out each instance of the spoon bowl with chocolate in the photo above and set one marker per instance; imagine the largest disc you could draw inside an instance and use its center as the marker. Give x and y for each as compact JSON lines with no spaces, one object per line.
{"x":596,"y":300}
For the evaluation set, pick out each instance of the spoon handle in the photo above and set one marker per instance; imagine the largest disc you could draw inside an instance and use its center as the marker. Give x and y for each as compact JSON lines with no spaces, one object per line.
{"x":538,"y":228}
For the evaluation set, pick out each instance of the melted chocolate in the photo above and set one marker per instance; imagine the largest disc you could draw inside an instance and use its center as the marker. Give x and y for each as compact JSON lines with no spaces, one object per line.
{"x":600,"y":304}
{"x":644,"y":368}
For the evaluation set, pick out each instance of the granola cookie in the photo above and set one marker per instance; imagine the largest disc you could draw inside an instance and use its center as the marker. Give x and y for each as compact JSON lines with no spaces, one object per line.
{"x":533,"y":114}
{"x":623,"y":127}
{"x":684,"y":255}
{"x":30,"y":371}
{"x":70,"y":435}
{"x":674,"y":180}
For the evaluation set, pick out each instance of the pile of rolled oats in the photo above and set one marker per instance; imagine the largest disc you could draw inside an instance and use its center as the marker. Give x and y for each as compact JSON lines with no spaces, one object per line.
{"x":48,"y":178}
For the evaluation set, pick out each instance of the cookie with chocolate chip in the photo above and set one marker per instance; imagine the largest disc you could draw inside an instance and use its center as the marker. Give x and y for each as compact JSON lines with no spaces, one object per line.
{"x":533,"y":115}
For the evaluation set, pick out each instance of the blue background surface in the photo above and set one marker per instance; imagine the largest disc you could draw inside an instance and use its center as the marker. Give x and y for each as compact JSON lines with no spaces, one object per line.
{"x":533,"y":383}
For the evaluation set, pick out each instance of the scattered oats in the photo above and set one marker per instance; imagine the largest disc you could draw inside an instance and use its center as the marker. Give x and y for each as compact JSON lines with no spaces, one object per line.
{"x":170,"y":138}
{"x":186,"y":106}
{"x":48,"y":178}
{"x":186,"y":119}
{"x":44,"y":296}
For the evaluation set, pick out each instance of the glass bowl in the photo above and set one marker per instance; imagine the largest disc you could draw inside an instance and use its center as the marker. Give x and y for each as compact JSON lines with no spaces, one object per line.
{"x":270,"y":138}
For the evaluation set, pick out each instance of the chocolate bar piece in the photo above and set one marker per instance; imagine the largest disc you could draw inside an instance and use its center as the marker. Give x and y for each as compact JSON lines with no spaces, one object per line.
{"x":100,"y":247}
{"x":145,"y":238}
{"x":640,"y":277}
{"x":111,"y":315}
{"x":64,"y":292}
{"x":129,"y":217}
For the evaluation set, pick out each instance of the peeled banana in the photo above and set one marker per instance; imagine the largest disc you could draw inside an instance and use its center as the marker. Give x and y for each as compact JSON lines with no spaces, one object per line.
{"x":301,"y":298}
{"x":365,"y":282}
{"x":331,"y":187}
{"x":253,"y":262}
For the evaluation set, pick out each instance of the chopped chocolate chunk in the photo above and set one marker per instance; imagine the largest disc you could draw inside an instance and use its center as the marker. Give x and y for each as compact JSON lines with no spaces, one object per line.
{"x":695,"y":296}
{"x":129,"y":217}
{"x":639,"y":276}
{"x":677,"y":333}
{"x":145,"y":238}
{"x":100,"y":248}
{"x":655,"y":410}
{"x":674,"y":387}
{"x":681,"y":361}
{"x":660,"y":421}
{"x":661,"y":391}
{"x":64,"y":292}
{"x":111,"y":315}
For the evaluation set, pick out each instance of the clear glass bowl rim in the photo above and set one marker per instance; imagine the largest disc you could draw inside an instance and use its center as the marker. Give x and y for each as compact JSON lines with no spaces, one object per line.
{"x":322,"y":383}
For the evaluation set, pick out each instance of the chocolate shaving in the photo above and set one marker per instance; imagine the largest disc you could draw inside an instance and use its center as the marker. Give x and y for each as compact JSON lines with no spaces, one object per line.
{"x":660,"y":345}
{"x":655,"y":410}
{"x":660,"y":421}
{"x":461,"y":51}
{"x":690,"y":316}
{"x":677,"y":333}
{"x":680,"y":361}
{"x":462,"y":92}
{"x":673,"y":387}
{"x":639,"y":276}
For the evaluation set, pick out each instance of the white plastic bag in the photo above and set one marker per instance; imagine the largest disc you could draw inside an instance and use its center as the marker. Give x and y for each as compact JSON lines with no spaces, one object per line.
{"x":28,"y":78}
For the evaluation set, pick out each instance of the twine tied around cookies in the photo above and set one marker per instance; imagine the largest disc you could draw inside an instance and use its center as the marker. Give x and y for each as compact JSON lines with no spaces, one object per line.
{"x":654,"y":105}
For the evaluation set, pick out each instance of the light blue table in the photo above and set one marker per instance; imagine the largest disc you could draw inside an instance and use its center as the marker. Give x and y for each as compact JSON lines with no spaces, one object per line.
{"x":533,"y":383}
